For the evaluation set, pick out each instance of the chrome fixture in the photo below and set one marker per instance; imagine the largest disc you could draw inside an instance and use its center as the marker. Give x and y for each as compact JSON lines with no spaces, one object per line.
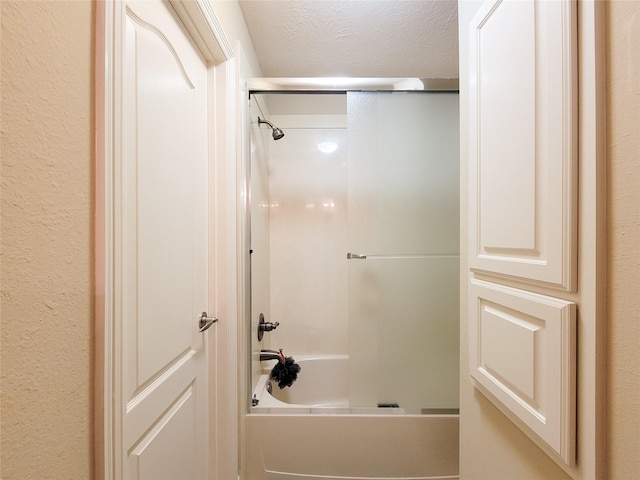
{"x":364,"y":256}
{"x":350,"y":84}
{"x":277,"y":133}
{"x":264,"y":326}
{"x":205,"y":322}
{"x":271,"y":355}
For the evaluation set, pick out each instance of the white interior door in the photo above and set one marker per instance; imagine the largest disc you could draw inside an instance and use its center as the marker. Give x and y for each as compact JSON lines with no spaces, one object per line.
{"x":163,"y":258}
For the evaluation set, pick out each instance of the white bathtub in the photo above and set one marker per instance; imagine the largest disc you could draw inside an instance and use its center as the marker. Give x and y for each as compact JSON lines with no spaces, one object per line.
{"x":323,"y":382}
{"x":309,"y":432}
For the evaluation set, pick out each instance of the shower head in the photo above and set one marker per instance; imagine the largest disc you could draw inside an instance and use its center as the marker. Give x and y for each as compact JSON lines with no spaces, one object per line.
{"x":277,"y":133}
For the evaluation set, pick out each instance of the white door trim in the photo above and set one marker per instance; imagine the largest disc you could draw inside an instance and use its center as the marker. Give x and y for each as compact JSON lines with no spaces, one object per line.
{"x":202,"y":24}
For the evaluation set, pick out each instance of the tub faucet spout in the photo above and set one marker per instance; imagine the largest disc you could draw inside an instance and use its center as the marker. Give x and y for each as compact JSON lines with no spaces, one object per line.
{"x":271,"y":355}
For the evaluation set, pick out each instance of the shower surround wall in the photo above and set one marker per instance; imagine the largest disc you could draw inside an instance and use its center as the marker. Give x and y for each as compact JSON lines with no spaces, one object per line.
{"x":308,"y":235}
{"x":298,"y":225}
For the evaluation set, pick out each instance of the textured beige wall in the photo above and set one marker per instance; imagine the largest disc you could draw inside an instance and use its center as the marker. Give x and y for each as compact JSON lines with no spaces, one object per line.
{"x":623,"y":237}
{"x":46,"y":239}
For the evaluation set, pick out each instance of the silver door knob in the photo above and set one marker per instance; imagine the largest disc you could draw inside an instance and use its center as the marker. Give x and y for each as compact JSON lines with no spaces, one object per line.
{"x":206,"y":322}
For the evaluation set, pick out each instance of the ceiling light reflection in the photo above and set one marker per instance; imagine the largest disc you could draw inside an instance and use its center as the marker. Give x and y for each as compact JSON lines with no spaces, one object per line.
{"x":327,"y":147}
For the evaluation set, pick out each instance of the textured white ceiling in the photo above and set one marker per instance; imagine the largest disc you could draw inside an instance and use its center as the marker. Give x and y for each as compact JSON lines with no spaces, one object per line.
{"x":357,"y":38}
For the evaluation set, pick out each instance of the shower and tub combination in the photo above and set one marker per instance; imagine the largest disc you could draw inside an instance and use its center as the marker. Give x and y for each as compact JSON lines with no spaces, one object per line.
{"x":352,"y":241}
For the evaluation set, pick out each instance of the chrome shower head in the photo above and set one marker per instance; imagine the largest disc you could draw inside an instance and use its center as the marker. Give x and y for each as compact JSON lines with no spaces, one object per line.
{"x":277,"y":133}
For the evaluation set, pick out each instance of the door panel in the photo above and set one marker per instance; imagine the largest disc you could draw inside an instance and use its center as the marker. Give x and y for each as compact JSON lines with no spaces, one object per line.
{"x":164,"y":220}
{"x":524,"y":356}
{"x":522,"y":152}
{"x":149,"y":457}
{"x":164,"y":254}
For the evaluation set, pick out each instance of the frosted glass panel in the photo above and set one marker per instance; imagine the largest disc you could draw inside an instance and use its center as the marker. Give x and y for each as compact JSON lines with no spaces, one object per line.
{"x":403,"y":215}
{"x":403,"y":321}
{"x":403,"y":172}
{"x":387,"y":190}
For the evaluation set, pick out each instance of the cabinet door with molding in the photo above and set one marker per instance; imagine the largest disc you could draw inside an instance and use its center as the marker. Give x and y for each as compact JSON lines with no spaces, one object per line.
{"x":523,"y":215}
{"x":522,"y":150}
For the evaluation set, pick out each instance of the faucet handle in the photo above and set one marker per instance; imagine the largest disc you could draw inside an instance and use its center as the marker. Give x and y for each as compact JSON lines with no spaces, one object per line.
{"x":264,"y":326}
{"x":268,"y":326}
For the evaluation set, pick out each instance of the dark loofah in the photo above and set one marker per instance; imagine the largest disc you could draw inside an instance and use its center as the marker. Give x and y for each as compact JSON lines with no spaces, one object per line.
{"x":285,"y":373}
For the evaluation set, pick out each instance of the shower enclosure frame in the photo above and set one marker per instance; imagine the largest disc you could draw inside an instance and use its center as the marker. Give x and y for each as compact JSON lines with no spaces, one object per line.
{"x":347,"y":84}
{"x":300,"y":85}
{"x":438,"y":429}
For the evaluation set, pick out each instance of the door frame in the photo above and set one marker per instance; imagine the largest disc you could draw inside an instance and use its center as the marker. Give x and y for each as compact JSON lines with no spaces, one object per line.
{"x":204,"y":28}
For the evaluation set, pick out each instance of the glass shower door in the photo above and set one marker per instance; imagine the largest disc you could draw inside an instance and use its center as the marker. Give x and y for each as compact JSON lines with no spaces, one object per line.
{"x":403,"y":254}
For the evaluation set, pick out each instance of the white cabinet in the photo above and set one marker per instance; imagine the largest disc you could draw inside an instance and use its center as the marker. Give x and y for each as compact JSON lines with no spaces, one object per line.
{"x":522,"y":97}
